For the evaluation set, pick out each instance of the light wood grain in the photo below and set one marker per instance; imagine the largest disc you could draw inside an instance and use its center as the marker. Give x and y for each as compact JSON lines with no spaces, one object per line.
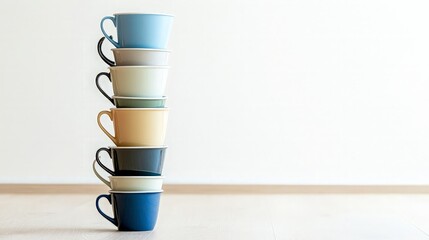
{"x":224,"y":217}
{"x":222,"y":189}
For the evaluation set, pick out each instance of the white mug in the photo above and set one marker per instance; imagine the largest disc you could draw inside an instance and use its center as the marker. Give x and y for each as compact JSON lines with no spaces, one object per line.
{"x":135,"y":56}
{"x":131,"y":183}
{"x":135,"y":81}
{"x":140,"y":57}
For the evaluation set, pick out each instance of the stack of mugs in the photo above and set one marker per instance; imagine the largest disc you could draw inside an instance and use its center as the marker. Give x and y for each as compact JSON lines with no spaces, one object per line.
{"x":138,"y":77}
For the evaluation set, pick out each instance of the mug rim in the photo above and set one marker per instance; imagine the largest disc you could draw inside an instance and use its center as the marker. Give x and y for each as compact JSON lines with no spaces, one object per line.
{"x":141,"y":49}
{"x":139,"y":147}
{"x":138,"y":177}
{"x":141,"y":98}
{"x":136,"y":13}
{"x":143,"y":67}
{"x":135,"y":109}
{"x":126,"y":192}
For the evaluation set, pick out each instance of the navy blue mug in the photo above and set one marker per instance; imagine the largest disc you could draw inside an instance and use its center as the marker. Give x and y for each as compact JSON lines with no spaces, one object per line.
{"x":134,"y":161}
{"x":132,"y":211}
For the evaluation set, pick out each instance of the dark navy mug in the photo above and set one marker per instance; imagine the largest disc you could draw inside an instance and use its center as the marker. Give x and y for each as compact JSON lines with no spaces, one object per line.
{"x":132,"y":211}
{"x":134,"y":161}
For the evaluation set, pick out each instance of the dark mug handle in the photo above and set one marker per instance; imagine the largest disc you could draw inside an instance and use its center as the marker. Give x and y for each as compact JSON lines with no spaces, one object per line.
{"x":100,"y":52}
{"x":97,"y":158}
{"x":109,"y":198}
{"x":99,"y":88}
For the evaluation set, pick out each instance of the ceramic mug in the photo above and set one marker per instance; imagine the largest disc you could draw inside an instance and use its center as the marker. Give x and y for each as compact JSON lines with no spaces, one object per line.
{"x":137,"y":126}
{"x":135,"y":81}
{"x":132,"y":211}
{"x":131,"y":183}
{"x":137,"y":102}
{"x":134,"y":161}
{"x":137,"y":30}
{"x":135,"y":56}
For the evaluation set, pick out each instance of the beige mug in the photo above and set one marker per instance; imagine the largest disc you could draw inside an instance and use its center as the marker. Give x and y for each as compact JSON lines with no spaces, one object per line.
{"x":136,"y":126}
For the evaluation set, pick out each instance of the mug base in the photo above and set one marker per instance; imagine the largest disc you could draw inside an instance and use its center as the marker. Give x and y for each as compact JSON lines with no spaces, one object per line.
{"x":123,"y":229}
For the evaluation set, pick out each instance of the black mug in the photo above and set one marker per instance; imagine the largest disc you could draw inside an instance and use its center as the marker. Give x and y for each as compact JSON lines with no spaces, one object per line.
{"x":134,"y":161}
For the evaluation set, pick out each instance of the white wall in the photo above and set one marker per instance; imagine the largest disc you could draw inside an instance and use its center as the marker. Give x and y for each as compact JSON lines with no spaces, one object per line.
{"x":261,"y":91}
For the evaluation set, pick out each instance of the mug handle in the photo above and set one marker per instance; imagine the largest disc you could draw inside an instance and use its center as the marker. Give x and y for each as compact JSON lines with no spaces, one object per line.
{"x":109,"y":198}
{"x":98,"y":175}
{"x":116,"y":44}
{"x":108,"y":113}
{"x":99,"y":88}
{"x":100,"y":52}
{"x":97,"y":158}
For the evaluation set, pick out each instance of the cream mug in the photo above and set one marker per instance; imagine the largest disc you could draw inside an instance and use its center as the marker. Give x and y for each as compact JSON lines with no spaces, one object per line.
{"x":135,"y":81}
{"x":136,"y":126}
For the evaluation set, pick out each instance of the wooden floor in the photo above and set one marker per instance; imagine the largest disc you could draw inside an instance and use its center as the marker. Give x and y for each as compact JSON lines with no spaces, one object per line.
{"x":224,"y":216}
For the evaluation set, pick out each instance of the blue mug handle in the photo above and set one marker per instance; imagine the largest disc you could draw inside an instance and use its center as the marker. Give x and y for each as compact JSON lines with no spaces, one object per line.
{"x":116,"y":44}
{"x":109,"y":198}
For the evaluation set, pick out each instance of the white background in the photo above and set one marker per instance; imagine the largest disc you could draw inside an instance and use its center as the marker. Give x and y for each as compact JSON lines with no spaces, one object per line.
{"x":260,"y":91}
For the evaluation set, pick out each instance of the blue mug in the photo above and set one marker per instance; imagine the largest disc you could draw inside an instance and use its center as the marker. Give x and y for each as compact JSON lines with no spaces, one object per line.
{"x":133,"y":210}
{"x":140,"y":30}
